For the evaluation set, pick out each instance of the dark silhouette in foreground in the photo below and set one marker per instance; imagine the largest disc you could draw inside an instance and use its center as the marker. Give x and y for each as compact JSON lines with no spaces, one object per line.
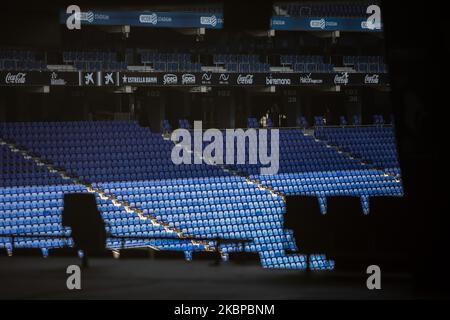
{"x":88,"y":228}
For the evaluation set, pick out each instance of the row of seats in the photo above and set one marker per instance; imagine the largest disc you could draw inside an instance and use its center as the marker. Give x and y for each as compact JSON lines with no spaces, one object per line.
{"x":323,"y":9}
{"x":374,"y":144}
{"x":100,"y":65}
{"x":27,"y":65}
{"x":15,"y":59}
{"x":99,"y":60}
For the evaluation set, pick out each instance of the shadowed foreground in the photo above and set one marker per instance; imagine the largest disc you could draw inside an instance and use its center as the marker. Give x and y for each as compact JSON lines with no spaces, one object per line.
{"x":38,"y":278}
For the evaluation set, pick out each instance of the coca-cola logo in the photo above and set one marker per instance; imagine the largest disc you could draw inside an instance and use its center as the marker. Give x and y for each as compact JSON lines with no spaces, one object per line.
{"x":247,"y":79}
{"x":170,"y":79}
{"x":188,"y":78}
{"x":18,"y":78}
{"x":341,"y":78}
{"x":307,"y":79}
{"x":372,"y":79}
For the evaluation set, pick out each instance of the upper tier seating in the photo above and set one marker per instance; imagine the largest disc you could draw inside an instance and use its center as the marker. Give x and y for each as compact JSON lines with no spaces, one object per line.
{"x":302,"y":63}
{"x":373,"y":64}
{"x":13,"y":59}
{"x":94,"y":60}
{"x":323,"y":9}
{"x":171,"y":62}
{"x":241,"y":62}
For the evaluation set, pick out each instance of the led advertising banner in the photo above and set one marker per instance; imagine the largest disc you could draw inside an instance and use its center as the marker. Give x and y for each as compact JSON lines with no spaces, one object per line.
{"x":167,"y":79}
{"x":155,"y":19}
{"x":149,"y":19}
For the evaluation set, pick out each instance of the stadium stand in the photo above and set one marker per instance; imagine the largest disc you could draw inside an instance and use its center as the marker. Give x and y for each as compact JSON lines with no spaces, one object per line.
{"x":365,"y":63}
{"x":301,"y":63}
{"x":129,"y":164}
{"x":159,"y":60}
{"x":312,"y":167}
{"x":19,"y":59}
{"x":94,"y":60}
{"x":171,"y":62}
{"x":197,"y":200}
{"x":374,"y":144}
{"x":241,"y":63}
{"x":322,"y":9}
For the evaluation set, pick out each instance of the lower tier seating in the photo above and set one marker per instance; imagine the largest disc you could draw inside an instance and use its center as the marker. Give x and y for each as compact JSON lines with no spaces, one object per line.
{"x":133,"y":165}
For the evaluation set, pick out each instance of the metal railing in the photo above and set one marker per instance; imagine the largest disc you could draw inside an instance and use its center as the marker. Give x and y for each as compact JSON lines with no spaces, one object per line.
{"x":218,"y":241}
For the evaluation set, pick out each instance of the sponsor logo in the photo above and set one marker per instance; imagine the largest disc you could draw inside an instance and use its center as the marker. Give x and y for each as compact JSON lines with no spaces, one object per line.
{"x":209,"y":21}
{"x":307,"y":79}
{"x":372,"y":79}
{"x":317,"y":24}
{"x":278,"y":22}
{"x":148,"y":18}
{"x":322,"y":24}
{"x":170,"y":79}
{"x":18,"y":78}
{"x":277,"y":81}
{"x":109,"y":78}
{"x":247,"y":79}
{"x":223,"y":78}
{"x":56,"y":81}
{"x":188,"y":78}
{"x":139,"y":80}
{"x":341,"y":78}
{"x":89,"y":78}
{"x":206,"y":77}
{"x":85,"y":16}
